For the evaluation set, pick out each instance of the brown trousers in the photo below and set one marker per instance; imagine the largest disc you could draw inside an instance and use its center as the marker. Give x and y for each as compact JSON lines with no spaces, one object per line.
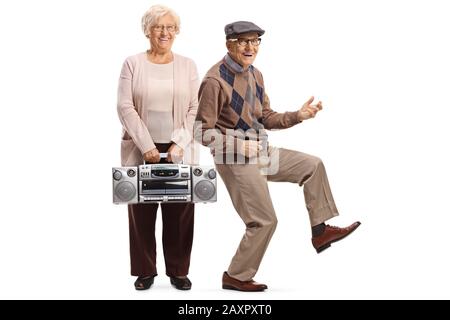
{"x":177,"y":235}
{"x":247,"y":186}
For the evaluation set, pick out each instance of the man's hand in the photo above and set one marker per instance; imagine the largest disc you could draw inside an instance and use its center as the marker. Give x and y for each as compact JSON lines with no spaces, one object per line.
{"x":152,"y":156}
{"x":250,"y":148}
{"x":308,"y":110}
{"x":175,"y":154}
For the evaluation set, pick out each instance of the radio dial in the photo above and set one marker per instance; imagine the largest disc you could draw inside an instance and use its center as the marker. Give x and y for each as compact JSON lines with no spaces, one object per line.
{"x":198,"y":172}
{"x":117,"y":175}
{"x":212,"y":174}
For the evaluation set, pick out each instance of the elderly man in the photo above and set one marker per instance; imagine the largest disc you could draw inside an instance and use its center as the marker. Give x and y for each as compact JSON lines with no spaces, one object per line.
{"x":233,"y":112}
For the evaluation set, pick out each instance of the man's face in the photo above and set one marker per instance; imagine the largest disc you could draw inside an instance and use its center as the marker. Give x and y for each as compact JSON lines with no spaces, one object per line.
{"x":242,"y":50}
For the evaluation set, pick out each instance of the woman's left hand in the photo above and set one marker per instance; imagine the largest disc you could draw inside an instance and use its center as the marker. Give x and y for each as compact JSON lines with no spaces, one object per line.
{"x":175,"y":153}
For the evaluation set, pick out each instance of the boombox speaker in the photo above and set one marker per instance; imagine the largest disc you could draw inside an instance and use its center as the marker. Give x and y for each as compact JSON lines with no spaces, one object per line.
{"x":125,"y":185}
{"x":204,"y":184}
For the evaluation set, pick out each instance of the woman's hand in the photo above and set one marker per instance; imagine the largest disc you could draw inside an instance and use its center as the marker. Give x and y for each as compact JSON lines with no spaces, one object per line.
{"x":175,"y":154}
{"x":152,"y":156}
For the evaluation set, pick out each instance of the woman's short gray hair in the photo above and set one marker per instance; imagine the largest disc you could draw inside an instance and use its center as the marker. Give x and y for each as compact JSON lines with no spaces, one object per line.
{"x":153,"y":14}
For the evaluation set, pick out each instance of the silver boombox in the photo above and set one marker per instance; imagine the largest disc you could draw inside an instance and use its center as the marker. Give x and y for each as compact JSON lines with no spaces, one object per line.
{"x":150,"y":183}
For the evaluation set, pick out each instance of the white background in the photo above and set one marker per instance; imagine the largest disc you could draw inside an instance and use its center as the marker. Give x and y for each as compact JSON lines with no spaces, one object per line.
{"x":381,"y":69}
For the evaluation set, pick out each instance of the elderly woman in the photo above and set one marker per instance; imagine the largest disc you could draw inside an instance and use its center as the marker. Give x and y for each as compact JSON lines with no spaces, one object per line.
{"x":157,"y":105}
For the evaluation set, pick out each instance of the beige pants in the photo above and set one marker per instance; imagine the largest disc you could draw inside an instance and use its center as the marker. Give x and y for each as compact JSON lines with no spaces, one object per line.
{"x":247,"y":186}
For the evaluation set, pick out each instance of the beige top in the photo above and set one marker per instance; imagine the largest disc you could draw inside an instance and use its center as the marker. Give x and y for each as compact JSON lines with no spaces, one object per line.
{"x":159,"y":105}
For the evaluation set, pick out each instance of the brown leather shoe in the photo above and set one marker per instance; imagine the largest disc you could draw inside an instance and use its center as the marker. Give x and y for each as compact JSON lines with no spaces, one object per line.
{"x":235,"y":284}
{"x":332,"y":234}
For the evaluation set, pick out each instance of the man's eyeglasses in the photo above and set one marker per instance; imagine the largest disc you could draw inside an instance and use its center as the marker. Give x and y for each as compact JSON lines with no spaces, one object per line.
{"x":160,"y":28}
{"x":244,"y":42}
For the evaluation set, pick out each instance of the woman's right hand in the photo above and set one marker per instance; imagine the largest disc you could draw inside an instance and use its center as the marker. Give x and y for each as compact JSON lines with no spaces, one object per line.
{"x":152,"y":156}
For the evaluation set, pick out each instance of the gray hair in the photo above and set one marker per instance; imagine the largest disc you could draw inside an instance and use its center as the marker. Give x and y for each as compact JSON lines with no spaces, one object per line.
{"x":156,"y":12}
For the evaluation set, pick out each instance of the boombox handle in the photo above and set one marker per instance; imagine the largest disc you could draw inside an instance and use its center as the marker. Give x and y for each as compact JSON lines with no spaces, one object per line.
{"x":162,"y":156}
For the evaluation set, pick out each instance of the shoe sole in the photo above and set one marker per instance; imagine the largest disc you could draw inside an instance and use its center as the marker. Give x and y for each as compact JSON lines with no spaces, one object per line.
{"x":327,"y":245}
{"x":142,"y":289}
{"x":179,"y":288}
{"x":227,"y":287}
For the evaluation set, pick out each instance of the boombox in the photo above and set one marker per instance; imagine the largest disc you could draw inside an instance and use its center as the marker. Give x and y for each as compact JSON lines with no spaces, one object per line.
{"x":150,"y":183}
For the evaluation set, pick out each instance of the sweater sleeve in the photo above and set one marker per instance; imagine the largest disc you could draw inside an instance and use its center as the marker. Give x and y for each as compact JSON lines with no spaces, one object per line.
{"x":211,"y":101}
{"x":184,"y":136}
{"x":275,"y":120}
{"x":130,"y":119}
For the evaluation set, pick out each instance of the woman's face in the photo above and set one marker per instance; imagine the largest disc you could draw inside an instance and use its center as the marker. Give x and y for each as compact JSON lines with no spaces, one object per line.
{"x":163,"y":34}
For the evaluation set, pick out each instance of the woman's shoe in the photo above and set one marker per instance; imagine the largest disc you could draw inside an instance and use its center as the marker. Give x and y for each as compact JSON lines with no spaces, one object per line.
{"x":144,"y":283}
{"x":181,"y":283}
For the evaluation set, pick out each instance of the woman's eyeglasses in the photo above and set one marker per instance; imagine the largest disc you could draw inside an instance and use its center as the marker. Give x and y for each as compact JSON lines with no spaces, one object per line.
{"x":160,"y":28}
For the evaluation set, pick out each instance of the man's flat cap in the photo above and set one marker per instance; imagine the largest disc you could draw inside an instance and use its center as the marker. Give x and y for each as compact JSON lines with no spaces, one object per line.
{"x":239,"y":27}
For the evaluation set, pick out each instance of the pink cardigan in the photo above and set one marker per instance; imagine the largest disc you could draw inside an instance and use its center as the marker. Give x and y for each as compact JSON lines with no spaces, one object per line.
{"x":136,"y":139}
